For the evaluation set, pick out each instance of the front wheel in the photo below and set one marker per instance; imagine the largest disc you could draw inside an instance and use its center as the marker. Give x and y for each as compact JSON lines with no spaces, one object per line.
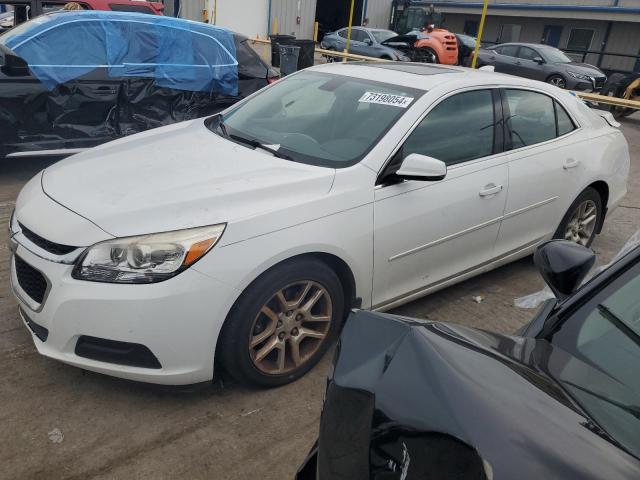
{"x":581,"y":221}
{"x":282,"y":324}
{"x":557,"y":80}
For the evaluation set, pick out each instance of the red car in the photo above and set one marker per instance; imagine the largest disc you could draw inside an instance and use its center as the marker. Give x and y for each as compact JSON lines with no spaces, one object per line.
{"x":24,"y":10}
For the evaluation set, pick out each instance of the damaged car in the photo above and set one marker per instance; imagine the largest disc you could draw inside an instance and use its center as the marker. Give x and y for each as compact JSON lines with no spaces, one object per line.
{"x":413,"y":399}
{"x":73,"y":80}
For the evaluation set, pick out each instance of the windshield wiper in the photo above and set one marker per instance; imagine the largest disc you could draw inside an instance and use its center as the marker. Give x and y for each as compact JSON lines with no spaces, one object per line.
{"x":618,"y":322}
{"x":248,"y":141}
{"x":256,"y":144}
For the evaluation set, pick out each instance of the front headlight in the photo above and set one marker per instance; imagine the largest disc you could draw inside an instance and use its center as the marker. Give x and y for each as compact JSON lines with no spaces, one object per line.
{"x":146,"y":258}
{"x":580,"y":76}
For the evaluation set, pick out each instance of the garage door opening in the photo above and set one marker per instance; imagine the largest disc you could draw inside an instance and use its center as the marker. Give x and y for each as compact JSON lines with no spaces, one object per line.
{"x":332,"y":15}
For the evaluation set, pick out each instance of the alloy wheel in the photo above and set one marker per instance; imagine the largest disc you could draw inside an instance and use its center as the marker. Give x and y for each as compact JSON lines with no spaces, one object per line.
{"x":558,"y":81}
{"x":290,"y":327}
{"x":582,"y":223}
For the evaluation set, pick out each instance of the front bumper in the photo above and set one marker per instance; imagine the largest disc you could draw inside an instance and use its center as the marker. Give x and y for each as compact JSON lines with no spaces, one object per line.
{"x":578,"y":84}
{"x":178,"y":320}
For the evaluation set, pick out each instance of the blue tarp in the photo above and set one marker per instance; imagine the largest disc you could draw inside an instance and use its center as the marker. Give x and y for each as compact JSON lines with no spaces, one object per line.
{"x":178,"y":54}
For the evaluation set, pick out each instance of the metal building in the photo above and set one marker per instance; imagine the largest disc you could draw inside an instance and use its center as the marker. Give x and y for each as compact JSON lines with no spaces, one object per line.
{"x":601,"y":32}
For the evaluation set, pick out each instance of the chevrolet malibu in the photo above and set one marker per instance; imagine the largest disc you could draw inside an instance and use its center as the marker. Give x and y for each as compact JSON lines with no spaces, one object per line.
{"x":242,"y":240}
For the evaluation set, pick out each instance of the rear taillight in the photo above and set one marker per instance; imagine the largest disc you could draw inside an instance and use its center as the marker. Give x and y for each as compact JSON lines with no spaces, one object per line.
{"x":271,"y":80}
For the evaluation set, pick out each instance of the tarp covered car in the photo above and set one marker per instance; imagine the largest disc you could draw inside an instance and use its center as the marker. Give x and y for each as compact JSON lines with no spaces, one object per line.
{"x":73,"y":80}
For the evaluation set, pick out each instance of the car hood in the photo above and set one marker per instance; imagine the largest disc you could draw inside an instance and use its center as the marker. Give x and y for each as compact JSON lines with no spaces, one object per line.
{"x":584,"y":68}
{"x":397,"y":382}
{"x":176,"y":177}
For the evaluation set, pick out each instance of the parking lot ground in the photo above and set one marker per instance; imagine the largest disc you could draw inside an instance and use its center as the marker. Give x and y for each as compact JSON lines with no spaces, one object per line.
{"x":113,"y":429}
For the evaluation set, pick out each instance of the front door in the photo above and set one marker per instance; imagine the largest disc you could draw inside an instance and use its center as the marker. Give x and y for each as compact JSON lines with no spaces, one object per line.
{"x":425,"y":233}
{"x":527,"y":67}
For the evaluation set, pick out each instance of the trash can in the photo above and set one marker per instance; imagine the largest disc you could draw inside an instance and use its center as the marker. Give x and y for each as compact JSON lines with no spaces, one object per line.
{"x":307,"y":52}
{"x":276,"y":41}
{"x":289,"y":59}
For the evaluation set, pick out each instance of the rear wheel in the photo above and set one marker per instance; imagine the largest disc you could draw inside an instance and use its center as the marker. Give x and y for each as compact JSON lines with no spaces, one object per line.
{"x":557,"y":80}
{"x":581,"y":221}
{"x":282,"y":324}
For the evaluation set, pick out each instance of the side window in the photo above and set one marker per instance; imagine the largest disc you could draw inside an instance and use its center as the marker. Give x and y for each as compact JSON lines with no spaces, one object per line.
{"x":565,"y":124}
{"x":343,"y":33}
{"x":531,"y":117}
{"x":527,"y":53}
{"x":358,"y":35}
{"x":458,"y":129}
{"x":508,"y":50}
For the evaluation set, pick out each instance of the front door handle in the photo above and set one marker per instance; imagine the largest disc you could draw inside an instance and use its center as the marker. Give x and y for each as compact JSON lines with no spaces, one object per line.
{"x":571,"y":163}
{"x":490,"y":190}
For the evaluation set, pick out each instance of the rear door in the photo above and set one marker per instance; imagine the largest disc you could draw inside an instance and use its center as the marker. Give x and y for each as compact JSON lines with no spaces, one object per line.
{"x":545,"y":169}
{"x":505,"y":59}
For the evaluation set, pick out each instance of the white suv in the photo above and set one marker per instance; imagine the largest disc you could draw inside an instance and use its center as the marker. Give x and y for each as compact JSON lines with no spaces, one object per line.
{"x":245,"y":238}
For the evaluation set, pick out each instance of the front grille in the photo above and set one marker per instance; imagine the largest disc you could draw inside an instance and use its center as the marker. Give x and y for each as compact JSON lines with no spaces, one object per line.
{"x":30,"y":280}
{"x":51,"y":247}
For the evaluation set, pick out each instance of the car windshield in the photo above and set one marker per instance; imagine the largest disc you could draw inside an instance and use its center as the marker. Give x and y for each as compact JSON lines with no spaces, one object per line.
{"x":318,"y":118}
{"x":22,"y":29}
{"x":602,"y":371}
{"x":553,"y":55}
{"x":382,"y":35}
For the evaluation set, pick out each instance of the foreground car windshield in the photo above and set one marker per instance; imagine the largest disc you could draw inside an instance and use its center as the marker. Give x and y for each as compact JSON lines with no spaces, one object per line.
{"x":552,"y":55}
{"x":319,"y":119}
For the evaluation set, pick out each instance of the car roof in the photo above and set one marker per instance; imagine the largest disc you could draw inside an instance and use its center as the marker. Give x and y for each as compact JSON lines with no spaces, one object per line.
{"x":424,"y":76}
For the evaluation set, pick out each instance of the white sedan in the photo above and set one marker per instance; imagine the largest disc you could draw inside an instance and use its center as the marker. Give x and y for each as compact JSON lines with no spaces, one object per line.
{"x":243,"y":239}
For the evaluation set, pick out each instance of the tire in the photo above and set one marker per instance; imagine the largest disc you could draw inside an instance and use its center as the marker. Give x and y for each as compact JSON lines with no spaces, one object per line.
{"x":331,"y":59}
{"x":259,"y":317}
{"x":558,"y":81}
{"x":570,"y":227}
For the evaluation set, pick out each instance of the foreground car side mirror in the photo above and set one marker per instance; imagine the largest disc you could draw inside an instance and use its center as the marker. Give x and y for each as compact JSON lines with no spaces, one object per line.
{"x":538,"y":60}
{"x":422,"y":168}
{"x":563,"y":265}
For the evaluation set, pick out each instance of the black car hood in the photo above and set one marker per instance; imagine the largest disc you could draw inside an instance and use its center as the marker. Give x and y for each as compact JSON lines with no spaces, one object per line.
{"x":408,"y":40}
{"x":398,"y":387}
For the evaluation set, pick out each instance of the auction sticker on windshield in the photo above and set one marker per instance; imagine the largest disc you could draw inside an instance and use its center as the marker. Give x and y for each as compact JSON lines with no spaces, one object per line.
{"x":386,"y":99}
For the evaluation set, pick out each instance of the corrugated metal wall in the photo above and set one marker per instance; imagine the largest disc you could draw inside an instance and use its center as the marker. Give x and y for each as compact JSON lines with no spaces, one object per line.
{"x":192,"y":9}
{"x":624,"y":37}
{"x":286,"y":11}
{"x":378,"y":13}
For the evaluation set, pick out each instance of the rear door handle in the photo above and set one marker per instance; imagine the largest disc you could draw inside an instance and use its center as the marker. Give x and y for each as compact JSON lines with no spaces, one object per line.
{"x":571,"y":163}
{"x":490,"y":190}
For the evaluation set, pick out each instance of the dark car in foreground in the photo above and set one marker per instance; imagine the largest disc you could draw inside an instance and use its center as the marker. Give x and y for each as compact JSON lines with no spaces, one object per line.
{"x":73,"y":80}
{"x":544,"y":63}
{"x":364,"y":41}
{"x":413,"y":399}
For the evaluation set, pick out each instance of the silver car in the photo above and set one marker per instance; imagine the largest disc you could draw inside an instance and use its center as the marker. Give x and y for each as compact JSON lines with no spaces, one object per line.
{"x":364,"y":41}
{"x":544,"y":63}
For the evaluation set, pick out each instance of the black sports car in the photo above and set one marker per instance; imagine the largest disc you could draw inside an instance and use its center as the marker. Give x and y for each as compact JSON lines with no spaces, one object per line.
{"x":409,"y":399}
{"x":73,"y":80}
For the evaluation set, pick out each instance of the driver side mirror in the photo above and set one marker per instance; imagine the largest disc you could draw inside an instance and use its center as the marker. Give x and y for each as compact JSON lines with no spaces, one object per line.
{"x":538,"y":60}
{"x":367,"y":41}
{"x":563,"y":265}
{"x":422,"y":168}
